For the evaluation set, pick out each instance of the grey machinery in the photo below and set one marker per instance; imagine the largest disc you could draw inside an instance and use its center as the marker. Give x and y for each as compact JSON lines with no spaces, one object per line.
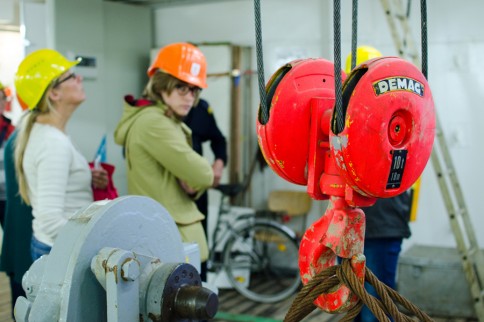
{"x":117,"y":261}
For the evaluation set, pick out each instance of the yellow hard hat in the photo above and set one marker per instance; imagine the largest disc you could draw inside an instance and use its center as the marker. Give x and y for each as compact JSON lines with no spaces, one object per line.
{"x":363,"y":53}
{"x":37,"y":71}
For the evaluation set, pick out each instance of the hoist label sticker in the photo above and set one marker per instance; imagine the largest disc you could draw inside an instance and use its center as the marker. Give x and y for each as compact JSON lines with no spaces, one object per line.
{"x":392,"y":84}
{"x":399,"y":158}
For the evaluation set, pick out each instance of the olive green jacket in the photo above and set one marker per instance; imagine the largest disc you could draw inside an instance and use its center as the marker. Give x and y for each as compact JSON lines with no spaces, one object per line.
{"x":158,"y":152}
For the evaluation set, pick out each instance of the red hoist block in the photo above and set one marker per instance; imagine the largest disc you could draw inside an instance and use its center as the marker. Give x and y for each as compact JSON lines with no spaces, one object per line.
{"x":376,"y":145}
{"x":285,"y":138}
{"x":389,"y":127}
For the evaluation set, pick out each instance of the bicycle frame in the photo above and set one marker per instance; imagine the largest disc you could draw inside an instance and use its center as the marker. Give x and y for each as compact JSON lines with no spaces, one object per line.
{"x":250,"y":249}
{"x":224,"y":227}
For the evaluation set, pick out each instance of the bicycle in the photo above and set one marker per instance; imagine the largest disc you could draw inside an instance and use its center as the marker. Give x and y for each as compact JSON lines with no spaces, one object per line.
{"x":259,"y":255}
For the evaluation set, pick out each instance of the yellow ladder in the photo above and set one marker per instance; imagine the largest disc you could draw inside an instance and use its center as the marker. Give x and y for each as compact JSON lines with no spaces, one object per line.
{"x":472,"y":257}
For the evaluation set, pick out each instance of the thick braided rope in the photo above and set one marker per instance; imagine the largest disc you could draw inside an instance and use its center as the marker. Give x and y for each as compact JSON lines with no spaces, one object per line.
{"x":303,"y":303}
{"x":346,"y":275}
{"x":384,"y":307}
{"x":373,"y":280}
{"x":333,"y":276}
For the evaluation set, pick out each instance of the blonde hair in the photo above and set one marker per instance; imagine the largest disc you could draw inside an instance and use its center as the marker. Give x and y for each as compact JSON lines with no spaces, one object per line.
{"x":44,"y":106}
{"x":162,"y":82}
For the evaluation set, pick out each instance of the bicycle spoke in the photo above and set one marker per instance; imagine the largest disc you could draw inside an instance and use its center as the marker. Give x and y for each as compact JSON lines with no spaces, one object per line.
{"x":261,"y":263}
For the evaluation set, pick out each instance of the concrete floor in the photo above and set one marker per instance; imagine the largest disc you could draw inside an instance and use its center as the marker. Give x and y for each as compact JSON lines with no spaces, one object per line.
{"x":233,"y":307}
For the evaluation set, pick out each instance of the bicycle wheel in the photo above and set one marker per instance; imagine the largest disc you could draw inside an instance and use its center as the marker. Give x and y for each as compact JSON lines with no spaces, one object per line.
{"x":261,"y":261}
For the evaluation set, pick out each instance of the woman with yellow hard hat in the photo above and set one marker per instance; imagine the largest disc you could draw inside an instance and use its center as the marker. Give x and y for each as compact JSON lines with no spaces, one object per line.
{"x":54,"y":178}
{"x":160,"y":161}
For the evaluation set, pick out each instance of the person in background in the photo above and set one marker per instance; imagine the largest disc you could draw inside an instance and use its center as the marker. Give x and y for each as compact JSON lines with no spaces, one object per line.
{"x":6,"y":128}
{"x":7,"y":259}
{"x":53,"y":177}
{"x":387,"y":223}
{"x":160,"y":161}
{"x":204,"y":128}
{"x":15,"y":258}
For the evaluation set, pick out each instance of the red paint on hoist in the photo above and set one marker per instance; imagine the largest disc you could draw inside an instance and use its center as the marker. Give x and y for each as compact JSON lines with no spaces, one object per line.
{"x":389,"y":128}
{"x":383,"y":147}
{"x":339,"y":232}
{"x":284,"y":138}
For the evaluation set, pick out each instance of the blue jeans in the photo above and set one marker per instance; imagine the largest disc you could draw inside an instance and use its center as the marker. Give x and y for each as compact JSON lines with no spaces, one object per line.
{"x":382,"y":259}
{"x":37,"y":248}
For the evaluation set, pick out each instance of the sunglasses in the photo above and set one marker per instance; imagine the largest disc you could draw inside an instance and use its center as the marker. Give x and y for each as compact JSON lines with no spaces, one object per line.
{"x":183,"y":89}
{"x":58,"y":82}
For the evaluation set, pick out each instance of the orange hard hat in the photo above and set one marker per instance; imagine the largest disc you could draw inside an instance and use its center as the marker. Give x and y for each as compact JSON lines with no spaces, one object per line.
{"x":7,"y":91}
{"x":183,"y":61}
{"x":23,"y":105}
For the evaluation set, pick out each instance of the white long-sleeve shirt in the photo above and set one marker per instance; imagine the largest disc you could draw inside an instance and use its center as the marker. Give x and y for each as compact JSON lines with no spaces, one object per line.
{"x":58,"y":179}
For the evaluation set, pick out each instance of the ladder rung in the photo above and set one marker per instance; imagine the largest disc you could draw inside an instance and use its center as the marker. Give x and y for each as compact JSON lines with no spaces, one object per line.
{"x":447,"y":176}
{"x":454,"y":213}
{"x":472,"y":251}
{"x":461,"y":211}
{"x":469,"y":252}
{"x":446,"y":172}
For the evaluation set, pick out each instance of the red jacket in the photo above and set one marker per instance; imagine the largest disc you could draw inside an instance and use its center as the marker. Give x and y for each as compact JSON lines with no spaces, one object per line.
{"x":6,"y":128}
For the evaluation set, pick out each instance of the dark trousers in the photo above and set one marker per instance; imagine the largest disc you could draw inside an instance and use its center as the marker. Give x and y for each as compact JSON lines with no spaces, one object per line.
{"x":17,"y":291}
{"x":202,"y":205}
{"x":2,"y":212}
{"x":382,"y":259}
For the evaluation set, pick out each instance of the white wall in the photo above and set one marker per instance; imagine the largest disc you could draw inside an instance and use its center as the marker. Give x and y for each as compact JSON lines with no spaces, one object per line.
{"x":11,"y":54}
{"x":292,"y":28}
{"x":457,"y":89}
{"x":119,"y":36}
{"x":233,"y":22}
{"x":8,"y":13}
{"x":127,"y":59}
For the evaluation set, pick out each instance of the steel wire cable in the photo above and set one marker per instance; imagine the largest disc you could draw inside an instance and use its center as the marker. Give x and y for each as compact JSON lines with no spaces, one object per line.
{"x":423,"y":26}
{"x":264,"y":109}
{"x":354,"y":33}
{"x":338,"y":109}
